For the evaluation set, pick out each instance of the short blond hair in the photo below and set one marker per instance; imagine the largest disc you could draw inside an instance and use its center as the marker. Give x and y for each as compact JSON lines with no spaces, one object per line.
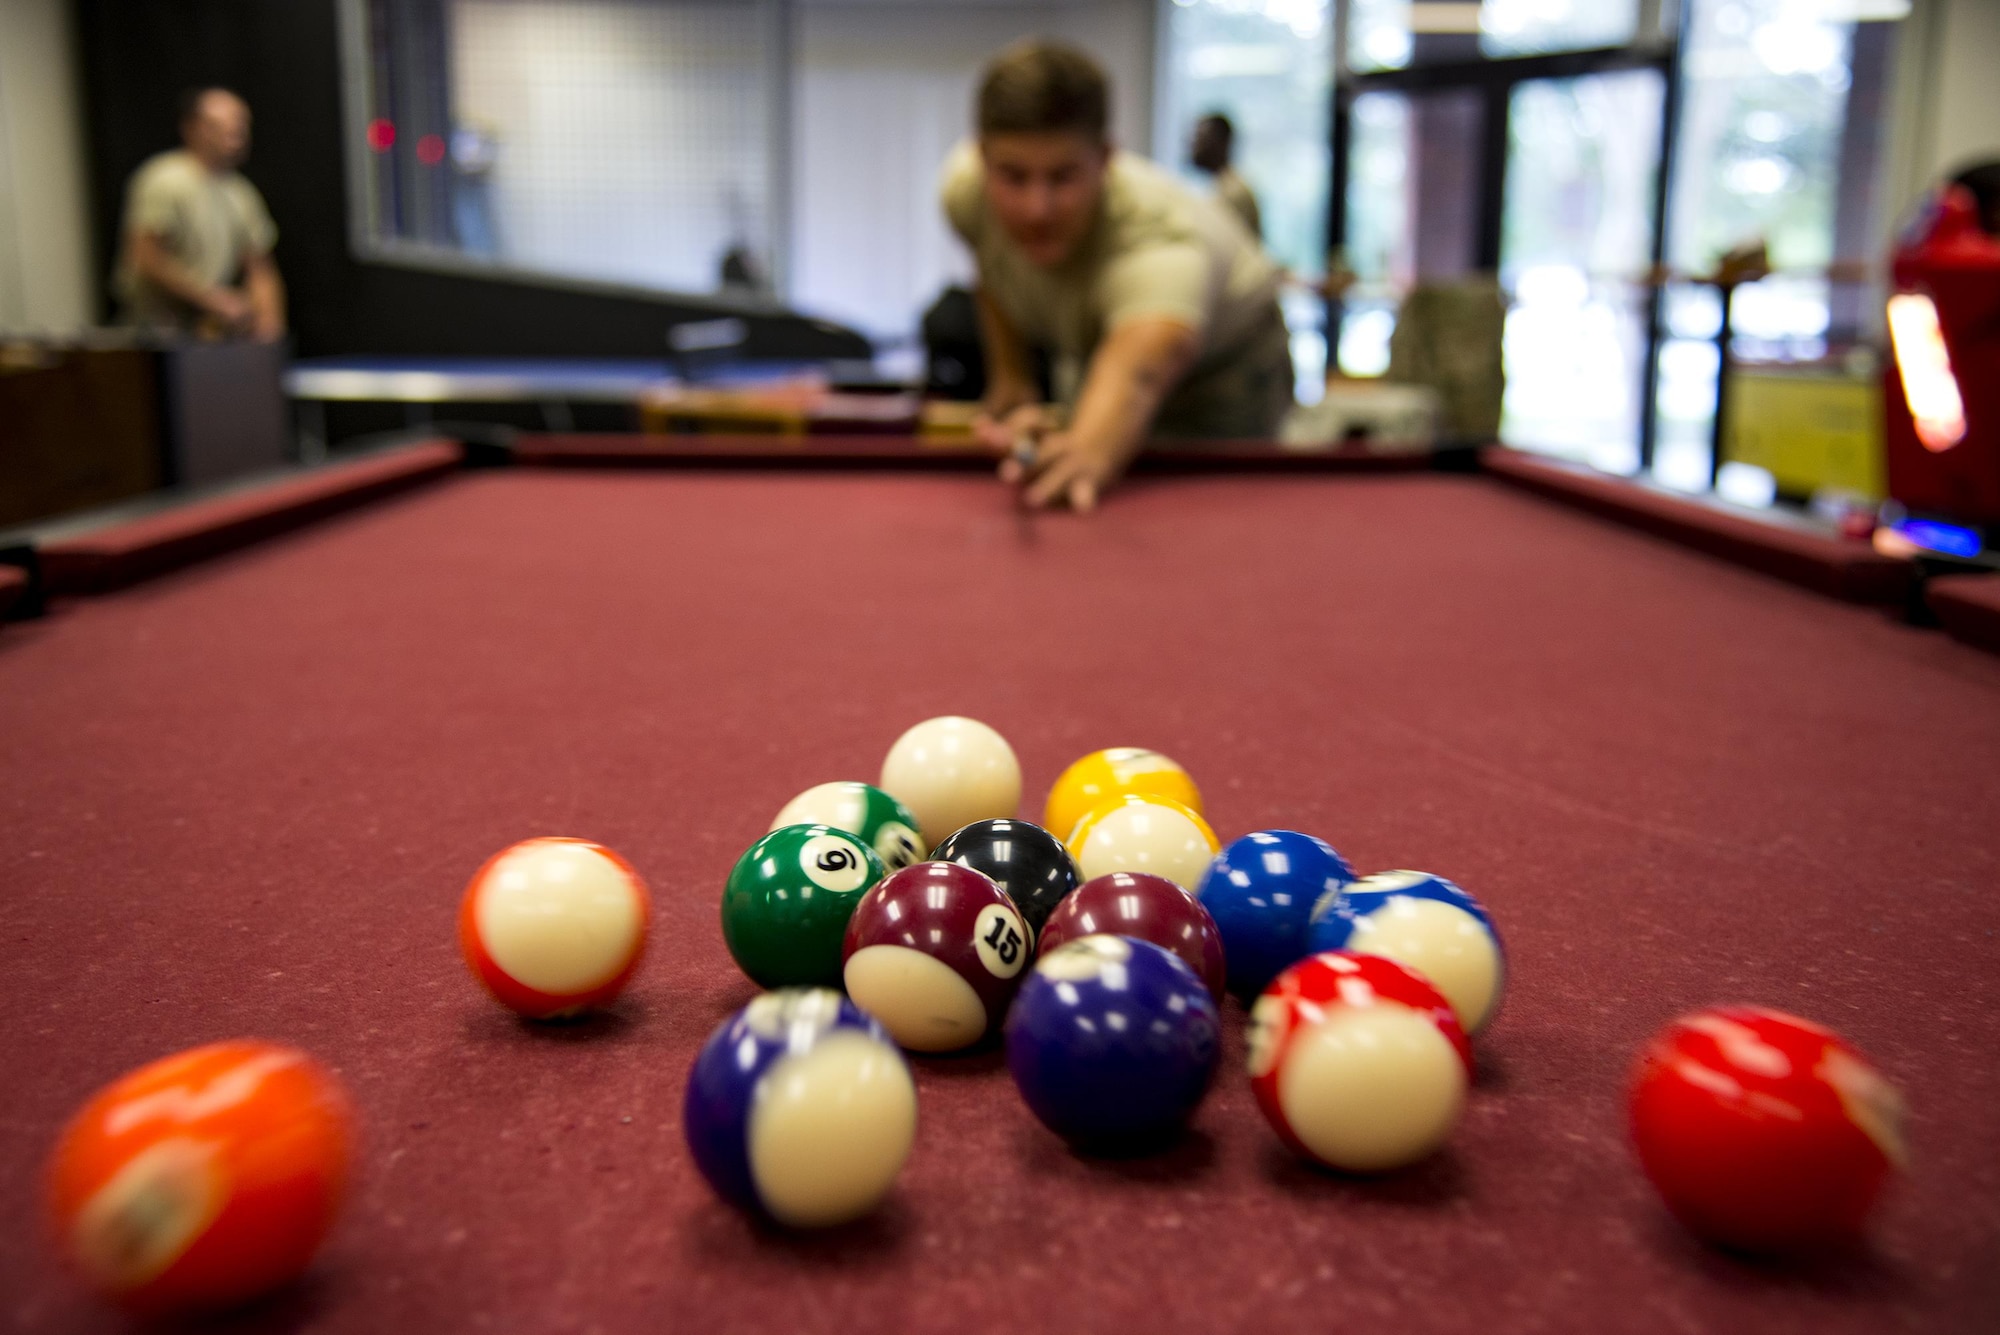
{"x":1040,"y":87}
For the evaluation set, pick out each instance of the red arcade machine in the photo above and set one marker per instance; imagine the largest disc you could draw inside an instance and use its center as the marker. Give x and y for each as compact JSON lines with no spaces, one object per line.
{"x":1942,"y":384}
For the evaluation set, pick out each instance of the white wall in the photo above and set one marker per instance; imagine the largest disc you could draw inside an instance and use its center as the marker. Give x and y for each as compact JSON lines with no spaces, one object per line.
{"x":881,"y":91}
{"x":1945,"y":103}
{"x":1967,"y":122}
{"x":44,"y":230}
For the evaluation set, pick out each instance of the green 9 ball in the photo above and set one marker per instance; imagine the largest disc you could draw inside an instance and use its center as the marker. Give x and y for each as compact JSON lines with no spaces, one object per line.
{"x":786,"y":906}
{"x":883,"y":823}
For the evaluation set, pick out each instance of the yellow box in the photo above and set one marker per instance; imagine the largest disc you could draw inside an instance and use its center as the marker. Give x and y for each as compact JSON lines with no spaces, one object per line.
{"x":1811,"y":430}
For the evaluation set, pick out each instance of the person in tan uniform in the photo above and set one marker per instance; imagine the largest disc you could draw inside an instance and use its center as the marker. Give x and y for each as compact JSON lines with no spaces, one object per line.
{"x":196,"y":254}
{"x":1212,"y":150}
{"x":1158,"y":310}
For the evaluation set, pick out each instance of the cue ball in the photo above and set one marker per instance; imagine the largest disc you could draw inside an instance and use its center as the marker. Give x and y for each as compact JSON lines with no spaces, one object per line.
{"x":935,"y":952}
{"x":1150,"y":908}
{"x":1102,"y":775}
{"x":1763,"y":1132}
{"x":1423,"y":921}
{"x":204,"y":1179}
{"x":1024,"y":860}
{"x":1133,"y":832}
{"x":883,"y":823}
{"x":787,"y":901}
{"x":1261,"y":891}
{"x":951,"y":772}
{"x":553,"y":927}
{"x":1113,"y":1042}
{"x":1358,"y":1062}
{"x":801,"y":1108}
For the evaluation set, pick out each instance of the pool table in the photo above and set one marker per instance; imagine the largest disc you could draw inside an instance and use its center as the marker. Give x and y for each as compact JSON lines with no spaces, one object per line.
{"x":243,"y":796}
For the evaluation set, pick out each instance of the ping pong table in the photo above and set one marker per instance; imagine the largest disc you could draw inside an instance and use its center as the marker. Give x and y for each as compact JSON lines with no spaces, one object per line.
{"x":556,"y":386}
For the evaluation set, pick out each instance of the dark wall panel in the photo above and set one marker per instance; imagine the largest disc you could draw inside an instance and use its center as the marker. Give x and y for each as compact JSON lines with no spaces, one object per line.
{"x":284,"y":57}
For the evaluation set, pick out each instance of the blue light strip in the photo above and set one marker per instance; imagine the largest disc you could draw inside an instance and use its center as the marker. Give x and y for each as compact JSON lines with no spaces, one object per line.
{"x":1949,"y":539}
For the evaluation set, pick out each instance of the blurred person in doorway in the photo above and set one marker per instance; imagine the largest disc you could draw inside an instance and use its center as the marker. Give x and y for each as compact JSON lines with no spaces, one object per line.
{"x":1212,"y":150}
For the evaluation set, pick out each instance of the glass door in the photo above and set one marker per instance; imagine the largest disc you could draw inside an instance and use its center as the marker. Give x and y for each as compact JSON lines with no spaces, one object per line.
{"x":1517,"y":146}
{"x":1577,"y":241}
{"x":1618,"y":149}
{"x":1412,"y":210}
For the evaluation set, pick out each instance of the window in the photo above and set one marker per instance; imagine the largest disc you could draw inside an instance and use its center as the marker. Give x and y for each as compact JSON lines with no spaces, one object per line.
{"x":1397,"y":34}
{"x":1533,"y":27}
{"x":1583,"y":159}
{"x":1764,"y":109}
{"x":1379,"y":247}
{"x":628,"y":141}
{"x":1549,"y":115}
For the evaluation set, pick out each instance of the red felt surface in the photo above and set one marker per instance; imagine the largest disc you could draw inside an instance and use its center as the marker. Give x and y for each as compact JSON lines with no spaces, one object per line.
{"x":120,"y":554}
{"x":1844,"y":569}
{"x":1968,"y":606}
{"x":244,"y":800}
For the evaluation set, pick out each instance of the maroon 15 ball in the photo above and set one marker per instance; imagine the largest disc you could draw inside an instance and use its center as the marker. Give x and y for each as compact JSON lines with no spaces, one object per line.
{"x":1152,"y":908}
{"x":935,"y":952}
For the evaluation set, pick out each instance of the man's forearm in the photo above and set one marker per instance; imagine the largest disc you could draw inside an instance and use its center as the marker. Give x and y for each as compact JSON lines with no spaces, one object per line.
{"x":265,"y":287}
{"x":1006,"y":360}
{"x":158,"y":266}
{"x":1129,"y":379}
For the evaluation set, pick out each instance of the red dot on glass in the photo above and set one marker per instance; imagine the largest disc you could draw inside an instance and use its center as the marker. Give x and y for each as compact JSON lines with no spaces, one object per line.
{"x":430,"y":150}
{"x":381,"y":135}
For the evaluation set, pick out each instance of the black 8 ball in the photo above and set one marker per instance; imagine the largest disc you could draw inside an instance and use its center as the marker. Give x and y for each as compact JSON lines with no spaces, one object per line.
{"x":1025,"y":860}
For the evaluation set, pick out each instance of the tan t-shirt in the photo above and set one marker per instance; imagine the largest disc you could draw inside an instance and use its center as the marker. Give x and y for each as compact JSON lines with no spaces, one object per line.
{"x":1159,"y":249}
{"x":1236,"y":194}
{"x":210,"y":223}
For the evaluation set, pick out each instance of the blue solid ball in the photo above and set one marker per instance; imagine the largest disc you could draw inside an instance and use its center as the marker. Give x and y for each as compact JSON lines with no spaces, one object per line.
{"x":1427,"y":923}
{"x":1261,"y":890}
{"x":1113,"y":1041}
{"x":800,"y":1107}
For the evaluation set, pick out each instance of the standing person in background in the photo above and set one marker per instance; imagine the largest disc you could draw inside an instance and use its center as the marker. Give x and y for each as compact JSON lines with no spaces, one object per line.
{"x":1213,"y":146}
{"x":1159,"y":312}
{"x":196,"y":253}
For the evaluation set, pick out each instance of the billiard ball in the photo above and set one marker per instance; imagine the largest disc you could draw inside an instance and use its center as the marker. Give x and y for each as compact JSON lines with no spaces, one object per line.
{"x":204,"y":1179}
{"x":1763,"y":1132}
{"x":935,"y":952}
{"x":800,"y":1108}
{"x":553,"y":927}
{"x":1133,"y":832}
{"x":1151,"y":908}
{"x":1261,"y":891}
{"x":787,"y":901}
{"x":1102,"y":775}
{"x":1357,"y":1062}
{"x":883,"y":823}
{"x":1113,"y":1042}
{"x":951,"y":772}
{"x":1423,"y":921}
{"x":1024,"y":860}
